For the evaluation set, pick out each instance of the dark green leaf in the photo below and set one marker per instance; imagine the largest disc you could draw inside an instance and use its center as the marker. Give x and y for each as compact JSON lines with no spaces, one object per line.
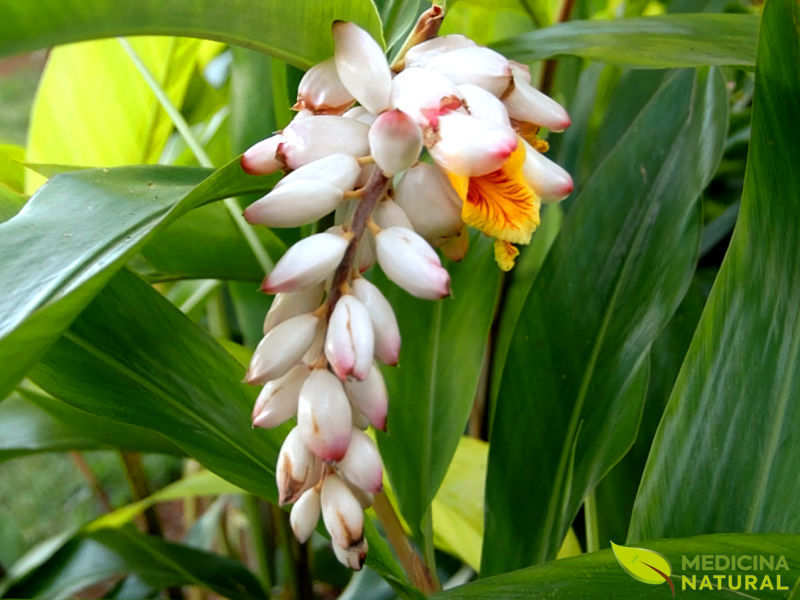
{"x":726,"y":453}
{"x":297,"y":32}
{"x":650,"y":42}
{"x":574,"y":381}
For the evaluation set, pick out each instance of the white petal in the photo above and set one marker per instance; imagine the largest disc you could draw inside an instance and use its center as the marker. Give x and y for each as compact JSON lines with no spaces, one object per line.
{"x":277,"y":401}
{"x":395,"y":141}
{"x":350,"y":342}
{"x":471,"y":147}
{"x":306,"y":263}
{"x":384,"y":322}
{"x":353,"y":557}
{"x":420,"y":54}
{"x":293,"y":204}
{"x":359,"y":113}
{"x":281,"y":348}
{"x":424,"y":95}
{"x":341,"y":512}
{"x":262,"y":158}
{"x":291,"y":304}
{"x":362,"y":464}
{"x":389,"y":214}
{"x":520,"y":70}
{"x":474,"y":64}
{"x":323,"y":415}
{"x":431,"y":203}
{"x":340,"y":170}
{"x":370,"y":397}
{"x":484,"y":105}
{"x":362,"y":66}
{"x":550,"y":182}
{"x":409,"y":261}
{"x":320,"y":89}
{"x":318,"y":136}
{"x":525,"y":103}
{"x":297,"y":469}
{"x":305,"y":515}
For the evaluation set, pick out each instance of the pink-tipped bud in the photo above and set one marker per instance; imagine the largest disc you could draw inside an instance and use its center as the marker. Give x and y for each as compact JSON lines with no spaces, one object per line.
{"x":384,"y":322}
{"x":484,"y":105}
{"x":389,"y":214}
{"x":362,"y":464}
{"x":318,"y":136}
{"x":424,"y":95}
{"x":339,"y":170}
{"x":281,"y":348}
{"x":395,"y":141}
{"x":308,"y":262}
{"x":360,"y":420}
{"x":471,"y":147}
{"x":353,"y":557}
{"x":419,"y":55}
{"x":474,"y":64}
{"x":323,"y":416}
{"x":277,"y":402}
{"x":409,"y":261}
{"x":350,"y":342}
{"x":341,"y":513}
{"x":290,"y":304}
{"x":294,"y":204}
{"x":262,"y":158}
{"x":362,"y":66}
{"x":305,"y":515}
{"x":431,"y":203}
{"x":297,"y":469}
{"x":520,"y":70}
{"x":370,"y":397}
{"x":550,"y":182}
{"x":525,"y":103}
{"x":359,"y":113}
{"x":321,"y":91}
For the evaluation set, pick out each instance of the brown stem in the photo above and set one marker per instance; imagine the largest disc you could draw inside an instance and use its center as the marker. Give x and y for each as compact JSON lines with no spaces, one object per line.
{"x":134,"y":469}
{"x":549,"y":71}
{"x":412,"y":563}
{"x":91,"y":479}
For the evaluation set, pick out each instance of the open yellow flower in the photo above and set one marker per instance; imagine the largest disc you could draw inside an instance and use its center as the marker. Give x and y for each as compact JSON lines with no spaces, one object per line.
{"x":502,"y":205}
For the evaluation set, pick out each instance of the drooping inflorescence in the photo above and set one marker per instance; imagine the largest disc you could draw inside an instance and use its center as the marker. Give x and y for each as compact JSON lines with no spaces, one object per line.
{"x":355,"y":147}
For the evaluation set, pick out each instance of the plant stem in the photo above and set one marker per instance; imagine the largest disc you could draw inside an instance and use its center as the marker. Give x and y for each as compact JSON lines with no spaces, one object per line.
{"x":429,"y":551}
{"x":91,"y":479}
{"x":416,"y":570}
{"x":549,"y":71}
{"x":253,"y":512}
{"x":134,"y":470}
{"x":592,"y":526}
{"x":183,"y":128}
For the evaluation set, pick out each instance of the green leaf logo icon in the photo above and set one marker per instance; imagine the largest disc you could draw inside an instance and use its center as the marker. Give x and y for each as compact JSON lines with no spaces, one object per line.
{"x":644,"y":565}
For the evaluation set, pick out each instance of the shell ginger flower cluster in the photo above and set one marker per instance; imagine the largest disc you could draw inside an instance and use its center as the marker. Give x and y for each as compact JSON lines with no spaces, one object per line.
{"x":355,"y":147}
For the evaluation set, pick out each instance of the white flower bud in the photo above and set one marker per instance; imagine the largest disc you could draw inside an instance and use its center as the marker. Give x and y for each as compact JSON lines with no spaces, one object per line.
{"x":324,"y":416}
{"x":277,"y":401}
{"x":341,"y":512}
{"x":281,"y":348}
{"x":471,"y":147}
{"x":318,"y":136}
{"x":360,"y":420}
{"x":409,"y":261}
{"x":262,"y":158}
{"x":359,"y":113}
{"x":350,"y":341}
{"x":353,"y":557}
{"x":365,"y":499}
{"x":384,"y":322}
{"x":362,"y":464}
{"x":389,"y":214}
{"x":431,"y":203}
{"x":419,"y":55}
{"x":525,"y":103}
{"x":305,"y":515}
{"x":293,"y":204}
{"x":484,"y":105}
{"x":362,"y":66}
{"x":321,"y":91}
{"x":370,"y":397}
{"x":306,"y":263}
{"x":474,"y":64}
{"x":365,"y":255}
{"x":297,"y":469}
{"x":395,"y":141}
{"x":521,"y":70}
{"x":314,"y":352}
{"x":550,"y":182}
{"x":340,"y":170}
{"x":290,"y":304}
{"x":424,"y":95}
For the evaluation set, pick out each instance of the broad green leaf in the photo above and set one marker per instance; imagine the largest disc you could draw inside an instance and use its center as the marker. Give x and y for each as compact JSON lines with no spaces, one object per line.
{"x":649,"y":42}
{"x":573,"y":388}
{"x":77,"y":231}
{"x":95,"y":557}
{"x":94,"y":108}
{"x":252,"y":104}
{"x":398,"y":16}
{"x":32,"y":422}
{"x":599,"y":575}
{"x":12,"y":169}
{"x":432,"y":389}
{"x":726,"y":452}
{"x":297,"y":32}
{"x":485,"y":22}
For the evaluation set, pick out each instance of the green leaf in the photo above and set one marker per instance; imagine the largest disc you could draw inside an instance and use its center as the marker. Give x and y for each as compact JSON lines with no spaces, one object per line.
{"x":726,"y":452}
{"x":297,"y":32}
{"x":599,"y":575}
{"x":573,"y":388}
{"x":432,"y":389}
{"x":32,"y":422}
{"x":96,"y":219}
{"x":92,"y":558}
{"x":650,"y":42}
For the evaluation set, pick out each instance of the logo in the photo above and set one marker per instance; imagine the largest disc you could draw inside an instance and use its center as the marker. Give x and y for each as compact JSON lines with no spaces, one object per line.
{"x":644,"y":565}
